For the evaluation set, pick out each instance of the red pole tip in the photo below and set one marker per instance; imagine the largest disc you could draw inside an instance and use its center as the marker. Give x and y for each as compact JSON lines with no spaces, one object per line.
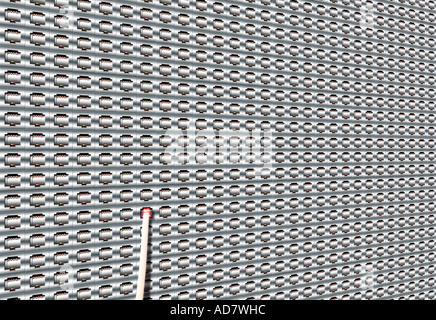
{"x":146,"y":211}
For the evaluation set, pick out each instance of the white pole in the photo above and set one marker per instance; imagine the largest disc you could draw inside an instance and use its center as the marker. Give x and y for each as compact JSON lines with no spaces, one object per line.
{"x":143,"y":256}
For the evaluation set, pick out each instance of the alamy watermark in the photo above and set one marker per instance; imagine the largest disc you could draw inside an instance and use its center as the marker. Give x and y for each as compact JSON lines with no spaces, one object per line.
{"x":65,"y":279}
{"x":210,"y":147}
{"x":367,"y":12}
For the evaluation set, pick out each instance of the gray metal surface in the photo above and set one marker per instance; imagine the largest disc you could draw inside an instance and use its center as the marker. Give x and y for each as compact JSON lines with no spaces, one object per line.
{"x":285,"y":147}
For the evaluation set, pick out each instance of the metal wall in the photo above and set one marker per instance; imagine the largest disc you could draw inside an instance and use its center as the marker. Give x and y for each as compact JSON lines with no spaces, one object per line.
{"x":285,"y":147}
{"x":70,"y":176}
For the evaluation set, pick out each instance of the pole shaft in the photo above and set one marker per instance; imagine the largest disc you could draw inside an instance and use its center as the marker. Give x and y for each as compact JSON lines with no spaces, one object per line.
{"x":143,"y":258}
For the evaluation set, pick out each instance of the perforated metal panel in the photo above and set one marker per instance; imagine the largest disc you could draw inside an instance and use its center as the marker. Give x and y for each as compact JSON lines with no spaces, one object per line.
{"x":70,"y":186}
{"x":286,"y":148}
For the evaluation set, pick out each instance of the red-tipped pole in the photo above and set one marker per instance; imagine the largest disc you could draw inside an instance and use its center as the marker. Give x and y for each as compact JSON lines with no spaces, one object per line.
{"x":146,"y":214}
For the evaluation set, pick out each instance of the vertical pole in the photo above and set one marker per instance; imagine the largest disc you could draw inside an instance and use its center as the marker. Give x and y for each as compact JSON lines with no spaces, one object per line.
{"x":146,"y":215}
